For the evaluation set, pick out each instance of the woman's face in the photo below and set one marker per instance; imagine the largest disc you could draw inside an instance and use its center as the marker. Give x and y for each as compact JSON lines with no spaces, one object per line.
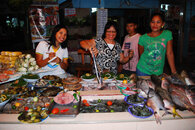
{"x":61,"y":35}
{"x":111,"y":33}
{"x":156,"y":23}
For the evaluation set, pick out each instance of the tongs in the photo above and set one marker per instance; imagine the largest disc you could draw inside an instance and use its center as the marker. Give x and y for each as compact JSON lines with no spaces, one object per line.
{"x":99,"y":78}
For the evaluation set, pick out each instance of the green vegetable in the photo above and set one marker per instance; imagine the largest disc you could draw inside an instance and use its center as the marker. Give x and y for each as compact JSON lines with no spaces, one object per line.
{"x":88,"y":76}
{"x":19,"y":82}
{"x":30,"y":76}
{"x":14,"y":107}
{"x":109,"y":75}
{"x":75,"y":106}
{"x":111,"y":110}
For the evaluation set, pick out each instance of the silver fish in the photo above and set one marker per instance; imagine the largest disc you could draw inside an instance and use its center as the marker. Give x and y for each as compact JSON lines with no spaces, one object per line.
{"x":186,"y":78}
{"x":156,"y":104}
{"x":154,"y":100}
{"x":164,"y":94}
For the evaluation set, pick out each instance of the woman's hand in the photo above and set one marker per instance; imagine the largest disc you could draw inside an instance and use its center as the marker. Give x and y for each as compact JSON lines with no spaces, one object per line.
{"x":56,"y":60}
{"x":52,"y":55}
{"x":94,"y":50}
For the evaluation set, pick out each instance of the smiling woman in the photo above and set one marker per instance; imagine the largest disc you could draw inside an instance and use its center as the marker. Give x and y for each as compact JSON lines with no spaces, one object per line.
{"x":106,"y":49}
{"x":53,"y":54}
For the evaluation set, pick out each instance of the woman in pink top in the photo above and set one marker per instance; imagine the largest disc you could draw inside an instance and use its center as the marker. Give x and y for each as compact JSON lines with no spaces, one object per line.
{"x":131,"y":43}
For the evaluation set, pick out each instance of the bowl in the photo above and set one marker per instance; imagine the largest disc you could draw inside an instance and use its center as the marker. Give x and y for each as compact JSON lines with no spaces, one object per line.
{"x":132,"y":103}
{"x":31,"y":80}
{"x":87,"y":80}
{"x":128,"y":92}
{"x":4,"y":103}
{"x":142,"y":117}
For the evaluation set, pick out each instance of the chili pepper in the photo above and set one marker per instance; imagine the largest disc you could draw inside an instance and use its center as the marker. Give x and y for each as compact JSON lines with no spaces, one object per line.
{"x":65,"y":110}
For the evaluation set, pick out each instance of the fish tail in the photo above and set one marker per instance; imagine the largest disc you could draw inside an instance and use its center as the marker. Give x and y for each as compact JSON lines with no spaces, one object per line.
{"x":166,"y":112}
{"x":175,"y":113}
{"x":157,"y":118}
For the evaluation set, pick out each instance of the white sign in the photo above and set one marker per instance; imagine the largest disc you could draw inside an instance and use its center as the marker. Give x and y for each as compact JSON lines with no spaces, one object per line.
{"x":102,"y":17}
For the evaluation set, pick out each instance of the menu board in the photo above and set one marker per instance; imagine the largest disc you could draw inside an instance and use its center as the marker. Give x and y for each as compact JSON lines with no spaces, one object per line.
{"x":102,"y":17}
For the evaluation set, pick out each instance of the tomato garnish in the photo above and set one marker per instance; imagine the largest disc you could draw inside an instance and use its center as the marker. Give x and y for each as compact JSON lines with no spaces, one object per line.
{"x":55,"y":111}
{"x":87,"y":104}
{"x":26,"y":108}
{"x":109,"y":103}
{"x":84,"y":101}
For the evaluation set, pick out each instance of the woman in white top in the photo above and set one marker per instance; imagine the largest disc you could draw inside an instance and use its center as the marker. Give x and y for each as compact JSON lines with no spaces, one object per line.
{"x":53,"y":54}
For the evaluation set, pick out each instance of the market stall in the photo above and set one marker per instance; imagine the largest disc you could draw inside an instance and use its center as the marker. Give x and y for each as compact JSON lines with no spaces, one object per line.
{"x":32,"y":99}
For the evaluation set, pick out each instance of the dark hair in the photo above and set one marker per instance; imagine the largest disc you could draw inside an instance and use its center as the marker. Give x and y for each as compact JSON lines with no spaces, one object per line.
{"x":52,"y":39}
{"x":160,"y":14}
{"x":108,"y":25}
{"x":131,"y":20}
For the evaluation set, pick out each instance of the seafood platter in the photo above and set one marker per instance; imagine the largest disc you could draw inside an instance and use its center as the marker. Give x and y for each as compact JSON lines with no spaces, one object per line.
{"x":35,"y":98}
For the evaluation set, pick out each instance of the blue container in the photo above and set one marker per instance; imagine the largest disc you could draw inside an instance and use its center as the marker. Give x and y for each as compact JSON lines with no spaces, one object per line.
{"x":142,"y":117}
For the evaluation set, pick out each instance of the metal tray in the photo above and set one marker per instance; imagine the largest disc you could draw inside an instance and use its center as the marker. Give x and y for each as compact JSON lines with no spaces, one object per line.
{"x":71,"y":113}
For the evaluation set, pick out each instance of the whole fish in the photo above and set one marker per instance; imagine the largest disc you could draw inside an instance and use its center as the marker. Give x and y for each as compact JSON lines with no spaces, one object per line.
{"x":154,"y":100}
{"x":156,"y":104}
{"x":144,"y":85}
{"x":164,"y":94}
{"x":175,"y":79}
{"x":182,"y":101}
{"x":184,"y":91}
{"x":186,"y":78}
{"x":190,"y":93}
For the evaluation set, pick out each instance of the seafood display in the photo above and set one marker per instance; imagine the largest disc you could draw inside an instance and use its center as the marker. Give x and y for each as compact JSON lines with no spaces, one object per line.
{"x":64,"y":98}
{"x":65,"y":104}
{"x":33,"y":115}
{"x":52,"y":91}
{"x":4,"y":77}
{"x":57,"y":97}
{"x":140,"y":111}
{"x":103,"y":106}
{"x":50,"y":77}
{"x":135,"y":99}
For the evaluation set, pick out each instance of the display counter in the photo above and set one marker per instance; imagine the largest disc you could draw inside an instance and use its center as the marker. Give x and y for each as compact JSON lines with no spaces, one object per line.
{"x":96,"y":121}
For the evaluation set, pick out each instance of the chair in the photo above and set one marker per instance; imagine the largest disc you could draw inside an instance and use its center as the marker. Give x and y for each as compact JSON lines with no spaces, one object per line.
{"x":83,"y":67}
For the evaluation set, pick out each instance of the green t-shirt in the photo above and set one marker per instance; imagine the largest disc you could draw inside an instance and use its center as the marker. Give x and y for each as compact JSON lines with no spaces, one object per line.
{"x":152,"y":59}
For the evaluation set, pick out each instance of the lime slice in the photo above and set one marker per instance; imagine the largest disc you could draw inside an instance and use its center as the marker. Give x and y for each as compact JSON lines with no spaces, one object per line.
{"x":35,"y":99}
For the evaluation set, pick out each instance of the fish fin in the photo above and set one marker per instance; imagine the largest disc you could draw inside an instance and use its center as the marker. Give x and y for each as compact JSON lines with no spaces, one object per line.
{"x":175,"y":113}
{"x":166,"y":112}
{"x":157,"y":118}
